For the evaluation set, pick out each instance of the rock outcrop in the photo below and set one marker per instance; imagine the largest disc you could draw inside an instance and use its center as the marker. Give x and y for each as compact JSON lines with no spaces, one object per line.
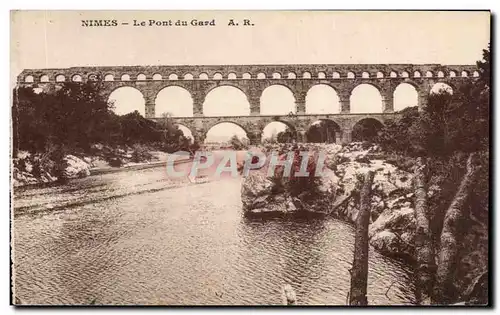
{"x":273,"y":194}
{"x":28,"y":169}
{"x":392,"y":225}
{"x":75,"y":167}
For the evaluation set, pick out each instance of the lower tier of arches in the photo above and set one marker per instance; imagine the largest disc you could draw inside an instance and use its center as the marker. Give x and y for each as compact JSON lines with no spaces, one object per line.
{"x":340,"y":128}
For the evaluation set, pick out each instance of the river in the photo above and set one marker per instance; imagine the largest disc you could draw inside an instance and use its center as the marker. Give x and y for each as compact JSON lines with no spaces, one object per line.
{"x":139,"y":237}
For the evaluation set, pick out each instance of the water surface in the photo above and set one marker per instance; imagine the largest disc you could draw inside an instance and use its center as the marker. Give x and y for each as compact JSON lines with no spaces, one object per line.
{"x":138,"y":237}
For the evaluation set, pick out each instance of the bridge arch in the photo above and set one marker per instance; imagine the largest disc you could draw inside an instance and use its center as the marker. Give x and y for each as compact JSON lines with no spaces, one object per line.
{"x":277,"y":99}
{"x":226,"y":100}
{"x":60,"y":78}
{"x":188,"y":76}
{"x":226,"y":84}
{"x":405,"y":95}
{"x":272,"y":132}
{"x":366,"y":98}
{"x":276,"y":75}
{"x":93,"y":77}
{"x":228,"y":121}
{"x":322,"y":99}
{"x":109,"y":77}
{"x":175,"y":100}
{"x":127,"y":99}
{"x":157,"y":77}
{"x":370,"y":83}
{"x":246,"y":76}
{"x":291,"y":75}
{"x":335,"y":75}
{"x":29,"y":79}
{"x":366,"y":129}
{"x":76,"y":78}
{"x":224,"y":130}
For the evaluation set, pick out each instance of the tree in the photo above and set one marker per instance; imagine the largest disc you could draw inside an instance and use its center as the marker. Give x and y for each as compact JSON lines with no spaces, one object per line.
{"x":274,"y":136}
{"x":451,"y":236}
{"x":173,"y":138}
{"x":424,"y":249}
{"x":359,"y":271}
{"x":285,"y":136}
{"x":72,"y":116}
{"x":236,"y":143}
{"x":395,"y":135}
{"x":168,"y":123}
{"x":322,"y":132}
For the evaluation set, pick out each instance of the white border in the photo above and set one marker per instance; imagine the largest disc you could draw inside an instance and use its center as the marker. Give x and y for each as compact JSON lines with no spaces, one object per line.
{"x":6,"y":6}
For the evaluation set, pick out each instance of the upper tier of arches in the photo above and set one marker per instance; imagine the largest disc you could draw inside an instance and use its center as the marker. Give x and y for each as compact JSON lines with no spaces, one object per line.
{"x":292,"y":72}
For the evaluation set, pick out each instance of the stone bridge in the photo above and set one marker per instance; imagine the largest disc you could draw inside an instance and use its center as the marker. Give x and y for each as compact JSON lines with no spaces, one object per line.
{"x":252,"y":80}
{"x":254,"y":124}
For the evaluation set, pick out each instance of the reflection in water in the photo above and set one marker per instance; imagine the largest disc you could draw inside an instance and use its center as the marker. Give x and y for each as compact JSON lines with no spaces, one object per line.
{"x":142,"y":238}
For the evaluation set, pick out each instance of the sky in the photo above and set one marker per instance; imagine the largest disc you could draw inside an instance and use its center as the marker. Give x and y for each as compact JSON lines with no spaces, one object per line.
{"x":56,"y":39}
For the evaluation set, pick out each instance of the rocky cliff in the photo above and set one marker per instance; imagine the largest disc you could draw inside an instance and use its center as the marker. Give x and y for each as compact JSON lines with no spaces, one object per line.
{"x":392,"y":225}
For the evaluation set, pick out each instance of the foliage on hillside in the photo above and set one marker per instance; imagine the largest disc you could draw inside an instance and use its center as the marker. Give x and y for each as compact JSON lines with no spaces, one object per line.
{"x":74,"y":116}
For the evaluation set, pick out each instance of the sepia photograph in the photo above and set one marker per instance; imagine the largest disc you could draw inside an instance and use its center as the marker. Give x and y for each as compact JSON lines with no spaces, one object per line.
{"x":250,"y":158}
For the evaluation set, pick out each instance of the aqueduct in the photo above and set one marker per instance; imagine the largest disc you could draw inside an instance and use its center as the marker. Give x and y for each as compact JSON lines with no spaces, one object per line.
{"x":253,"y":80}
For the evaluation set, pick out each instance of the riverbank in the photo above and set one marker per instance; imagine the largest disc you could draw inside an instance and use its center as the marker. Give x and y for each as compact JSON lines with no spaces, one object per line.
{"x":34,"y":169}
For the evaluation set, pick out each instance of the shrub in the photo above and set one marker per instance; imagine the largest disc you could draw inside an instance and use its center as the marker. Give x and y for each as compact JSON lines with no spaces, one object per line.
{"x":236,"y":143}
{"x":114,"y":161}
{"x":140,"y":153}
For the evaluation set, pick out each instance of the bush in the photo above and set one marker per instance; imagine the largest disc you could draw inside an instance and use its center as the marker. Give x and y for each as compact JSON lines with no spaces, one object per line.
{"x":140,"y":153}
{"x":236,"y":143}
{"x":114,"y":162}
